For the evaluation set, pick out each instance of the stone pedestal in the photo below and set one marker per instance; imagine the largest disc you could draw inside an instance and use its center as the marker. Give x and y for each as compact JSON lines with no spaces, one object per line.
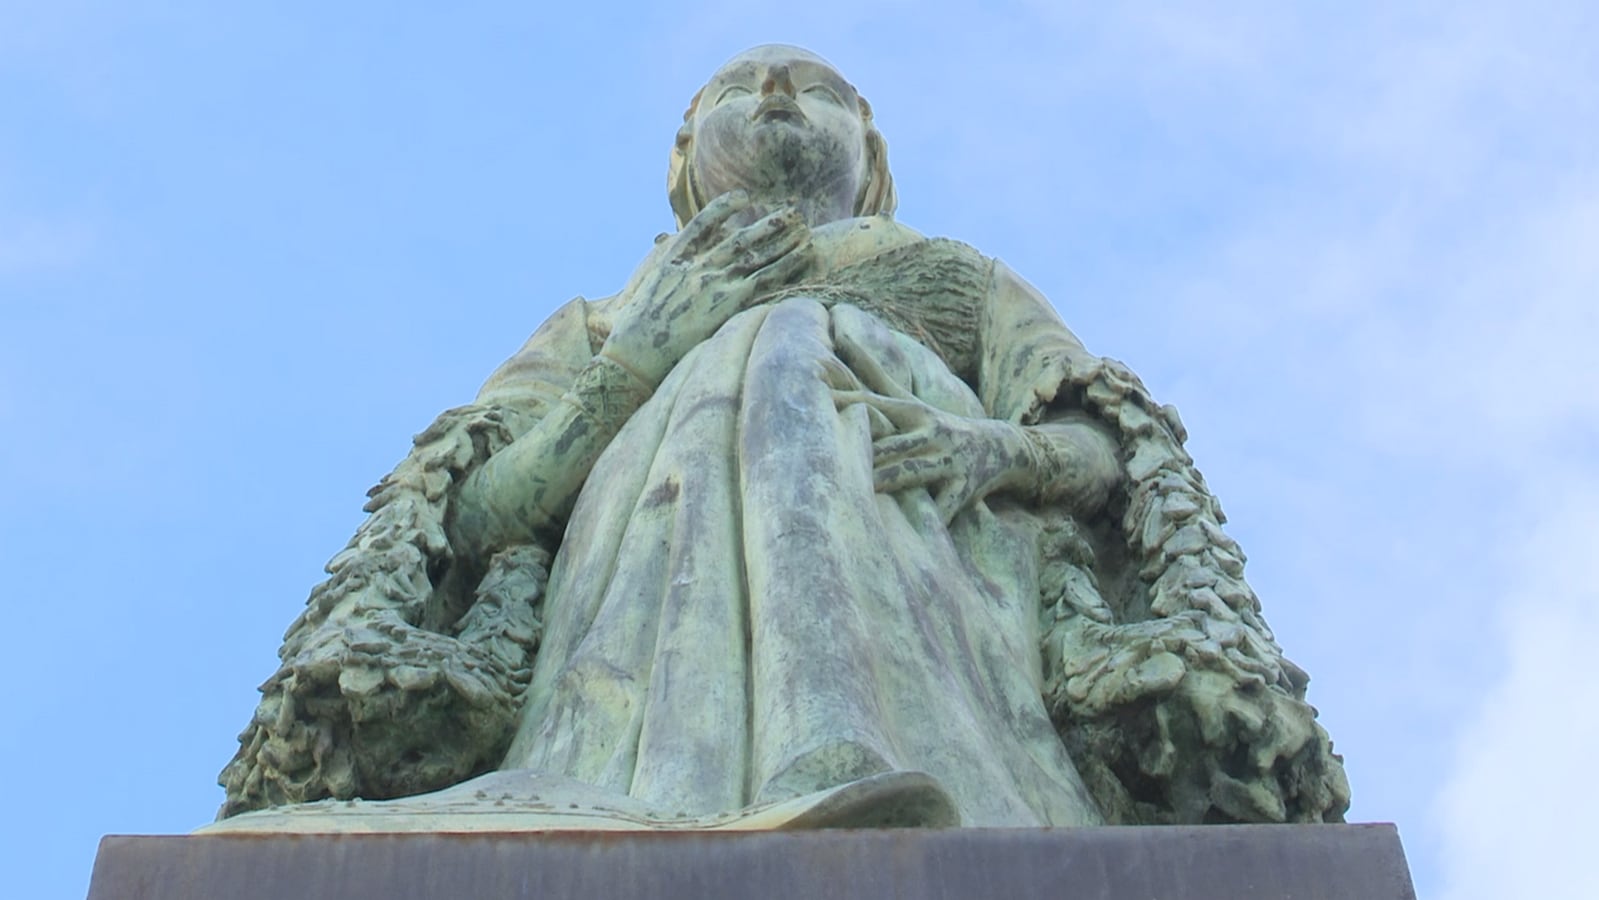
{"x":1177,"y":863}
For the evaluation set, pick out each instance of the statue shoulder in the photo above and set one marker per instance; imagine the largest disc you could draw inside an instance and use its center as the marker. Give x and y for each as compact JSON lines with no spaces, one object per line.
{"x":848,"y":241}
{"x":1016,"y":296}
{"x":544,"y":367}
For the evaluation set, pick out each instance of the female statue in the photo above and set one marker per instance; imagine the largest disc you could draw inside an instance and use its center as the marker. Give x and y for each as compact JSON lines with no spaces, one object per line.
{"x":817,"y":516}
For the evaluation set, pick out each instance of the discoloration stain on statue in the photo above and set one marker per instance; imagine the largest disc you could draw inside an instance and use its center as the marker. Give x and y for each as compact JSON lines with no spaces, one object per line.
{"x":663,"y":493}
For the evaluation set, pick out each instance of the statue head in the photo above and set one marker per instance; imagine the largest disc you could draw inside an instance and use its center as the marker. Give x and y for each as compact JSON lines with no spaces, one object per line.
{"x":781,"y":122}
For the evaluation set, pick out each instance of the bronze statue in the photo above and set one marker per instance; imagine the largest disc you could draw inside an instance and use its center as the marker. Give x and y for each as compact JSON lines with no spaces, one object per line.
{"x":817,"y":522}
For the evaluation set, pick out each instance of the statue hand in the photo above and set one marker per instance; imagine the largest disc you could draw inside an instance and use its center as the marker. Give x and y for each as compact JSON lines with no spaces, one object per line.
{"x":711,"y":270}
{"x":958,"y":459}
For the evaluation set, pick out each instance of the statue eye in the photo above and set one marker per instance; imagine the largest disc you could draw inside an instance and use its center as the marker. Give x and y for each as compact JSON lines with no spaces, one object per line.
{"x":824,"y":92}
{"x":731,"y":91}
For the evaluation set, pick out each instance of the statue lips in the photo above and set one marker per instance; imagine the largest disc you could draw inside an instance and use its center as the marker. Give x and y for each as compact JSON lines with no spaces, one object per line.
{"x":778,"y":107}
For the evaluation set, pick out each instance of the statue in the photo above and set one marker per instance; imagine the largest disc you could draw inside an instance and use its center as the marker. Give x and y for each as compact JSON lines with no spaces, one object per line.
{"x":817,"y":522}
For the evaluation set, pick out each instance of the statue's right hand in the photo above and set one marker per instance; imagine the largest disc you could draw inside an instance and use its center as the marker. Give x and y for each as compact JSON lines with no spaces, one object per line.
{"x":711,"y":270}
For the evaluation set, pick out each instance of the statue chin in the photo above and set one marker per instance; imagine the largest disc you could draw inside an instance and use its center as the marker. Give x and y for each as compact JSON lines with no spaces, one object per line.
{"x":784,"y":163}
{"x":519,"y":800}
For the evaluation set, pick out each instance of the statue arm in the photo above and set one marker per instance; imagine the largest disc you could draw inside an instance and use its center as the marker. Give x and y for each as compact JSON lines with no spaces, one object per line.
{"x":960,"y":459}
{"x":524,"y":492}
{"x":687,"y":287}
{"x":1072,"y":463}
{"x":1160,"y":672}
{"x":404,"y":672}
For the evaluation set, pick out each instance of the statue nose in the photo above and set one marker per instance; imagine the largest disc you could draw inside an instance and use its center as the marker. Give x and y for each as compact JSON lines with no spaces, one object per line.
{"x":777,"y":80}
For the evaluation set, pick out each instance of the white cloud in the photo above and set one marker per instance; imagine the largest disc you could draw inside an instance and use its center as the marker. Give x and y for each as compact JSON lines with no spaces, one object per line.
{"x":1506,"y":357}
{"x":1516,"y":811}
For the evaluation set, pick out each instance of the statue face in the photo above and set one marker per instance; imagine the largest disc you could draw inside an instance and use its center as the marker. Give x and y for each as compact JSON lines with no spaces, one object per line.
{"x":780,"y":122}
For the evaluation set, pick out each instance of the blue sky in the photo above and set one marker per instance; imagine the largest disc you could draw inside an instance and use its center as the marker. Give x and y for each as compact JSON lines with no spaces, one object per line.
{"x":245,"y":254}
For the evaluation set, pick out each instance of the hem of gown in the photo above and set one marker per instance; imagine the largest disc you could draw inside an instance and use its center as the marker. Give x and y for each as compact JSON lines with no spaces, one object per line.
{"x":517,"y":801}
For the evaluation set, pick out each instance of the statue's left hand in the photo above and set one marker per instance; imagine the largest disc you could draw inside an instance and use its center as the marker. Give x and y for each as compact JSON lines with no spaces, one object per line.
{"x":959,"y":460}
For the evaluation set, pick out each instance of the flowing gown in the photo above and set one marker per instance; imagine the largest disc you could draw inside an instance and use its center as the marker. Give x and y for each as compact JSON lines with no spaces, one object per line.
{"x":736,"y":616}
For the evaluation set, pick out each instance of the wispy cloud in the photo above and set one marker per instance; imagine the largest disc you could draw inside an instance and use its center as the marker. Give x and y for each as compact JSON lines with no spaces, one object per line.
{"x":1506,"y":355}
{"x":1515,"y":810}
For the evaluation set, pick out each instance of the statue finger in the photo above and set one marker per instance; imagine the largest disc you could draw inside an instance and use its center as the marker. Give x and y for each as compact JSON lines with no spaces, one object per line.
{"x":846,"y":400}
{"x":900,"y":445}
{"x":784,"y":270}
{"x":762,"y":244}
{"x":909,"y":473}
{"x":769,"y":228}
{"x":953,"y":497}
{"x":847,"y":397}
{"x":879,"y":425}
{"x":707,"y":226}
{"x":907,"y":415}
{"x":869,"y":371}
